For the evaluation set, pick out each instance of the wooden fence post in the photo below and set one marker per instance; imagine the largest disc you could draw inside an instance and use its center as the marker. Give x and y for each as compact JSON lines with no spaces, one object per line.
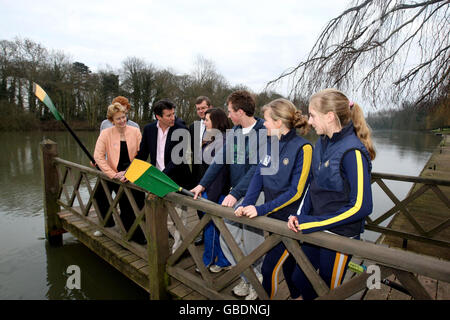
{"x":157,"y":247}
{"x":49,"y":174}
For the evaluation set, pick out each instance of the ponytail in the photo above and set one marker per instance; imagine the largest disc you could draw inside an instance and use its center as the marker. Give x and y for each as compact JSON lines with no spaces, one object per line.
{"x":285,"y":110}
{"x":362,"y":130}
{"x":333,"y":100}
{"x":300,"y":121}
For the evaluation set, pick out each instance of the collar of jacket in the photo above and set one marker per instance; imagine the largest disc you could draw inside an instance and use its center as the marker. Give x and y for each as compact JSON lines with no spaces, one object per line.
{"x":347,"y":130}
{"x":289,"y":135}
{"x":258,"y":125}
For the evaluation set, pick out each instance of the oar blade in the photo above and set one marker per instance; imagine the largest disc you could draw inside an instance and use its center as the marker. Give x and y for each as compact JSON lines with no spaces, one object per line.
{"x":43,"y":96}
{"x":148,"y":177}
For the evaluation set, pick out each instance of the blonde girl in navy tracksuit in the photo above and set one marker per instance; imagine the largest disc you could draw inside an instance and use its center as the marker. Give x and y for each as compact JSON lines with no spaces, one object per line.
{"x":339,"y":196}
{"x":284,"y":189}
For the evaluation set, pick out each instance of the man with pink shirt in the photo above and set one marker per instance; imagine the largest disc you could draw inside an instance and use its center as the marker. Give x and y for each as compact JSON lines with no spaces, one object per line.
{"x":157,"y":143}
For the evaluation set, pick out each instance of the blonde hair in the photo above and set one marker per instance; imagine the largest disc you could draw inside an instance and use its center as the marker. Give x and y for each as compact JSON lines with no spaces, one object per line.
{"x":333,"y":100}
{"x":285,"y":110}
{"x":113,"y":109}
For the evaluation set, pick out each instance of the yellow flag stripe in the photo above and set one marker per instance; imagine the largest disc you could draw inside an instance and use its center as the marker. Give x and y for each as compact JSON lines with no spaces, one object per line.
{"x":351,"y":211}
{"x":307,"y":158}
{"x":40,"y":93}
{"x":136,"y":169}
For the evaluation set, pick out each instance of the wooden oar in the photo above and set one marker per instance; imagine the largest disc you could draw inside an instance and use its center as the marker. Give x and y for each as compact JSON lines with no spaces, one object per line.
{"x":43,"y":96}
{"x":152,"y":179}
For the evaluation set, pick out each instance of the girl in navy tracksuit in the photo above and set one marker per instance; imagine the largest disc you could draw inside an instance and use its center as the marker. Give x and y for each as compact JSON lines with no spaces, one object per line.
{"x":283,"y":189}
{"x":340,"y":196}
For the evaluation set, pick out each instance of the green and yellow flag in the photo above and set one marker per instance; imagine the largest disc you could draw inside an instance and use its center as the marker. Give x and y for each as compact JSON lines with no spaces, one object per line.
{"x":148,"y":177}
{"x":43,"y":96}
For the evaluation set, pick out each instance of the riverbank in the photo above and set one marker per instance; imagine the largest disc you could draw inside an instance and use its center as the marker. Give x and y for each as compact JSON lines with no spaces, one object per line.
{"x":428,"y":210}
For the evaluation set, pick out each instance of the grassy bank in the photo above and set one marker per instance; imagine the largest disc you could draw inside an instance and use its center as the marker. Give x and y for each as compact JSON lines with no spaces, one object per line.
{"x":441,"y":130}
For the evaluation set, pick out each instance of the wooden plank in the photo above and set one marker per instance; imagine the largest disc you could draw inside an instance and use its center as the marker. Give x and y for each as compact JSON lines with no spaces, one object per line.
{"x":108,"y":251}
{"x":355,"y":285}
{"x":310,"y":272}
{"x":197,"y":284}
{"x":157,"y":247}
{"x":139,"y":215}
{"x":379,"y":294}
{"x":430,"y":285}
{"x":410,"y":282}
{"x":187,"y":243}
{"x":244,"y":263}
{"x":397,"y":295}
{"x":114,"y":235}
{"x":425,"y":265}
{"x":239,"y":256}
{"x":179,"y":290}
{"x":49,"y":175}
{"x":443,"y":290}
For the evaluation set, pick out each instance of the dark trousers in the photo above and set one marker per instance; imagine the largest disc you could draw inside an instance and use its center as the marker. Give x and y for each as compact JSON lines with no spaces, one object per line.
{"x":126,"y":210}
{"x":278,"y":259}
{"x":332,"y":266}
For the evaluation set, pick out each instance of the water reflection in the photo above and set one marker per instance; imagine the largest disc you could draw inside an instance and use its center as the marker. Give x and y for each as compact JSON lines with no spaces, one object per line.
{"x":30,"y":269}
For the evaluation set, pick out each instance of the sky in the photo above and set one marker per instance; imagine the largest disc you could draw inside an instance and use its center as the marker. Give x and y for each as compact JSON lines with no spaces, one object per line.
{"x":249,"y":42}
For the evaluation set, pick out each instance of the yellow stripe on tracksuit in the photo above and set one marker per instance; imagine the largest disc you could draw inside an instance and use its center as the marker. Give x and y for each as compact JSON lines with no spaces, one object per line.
{"x":340,"y":263}
{"x":349,"y":212}
{"x":307,"y":158}
{"x":276,"y":272}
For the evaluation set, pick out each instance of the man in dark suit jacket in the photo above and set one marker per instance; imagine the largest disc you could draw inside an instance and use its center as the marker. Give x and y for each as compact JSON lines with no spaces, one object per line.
{"x":196,"y":130}
{"x":157,"y":143}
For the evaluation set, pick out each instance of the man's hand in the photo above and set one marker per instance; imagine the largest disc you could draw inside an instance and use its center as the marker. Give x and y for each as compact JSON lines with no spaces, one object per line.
{"x":197,"y":190}
{"x":229,"y":201}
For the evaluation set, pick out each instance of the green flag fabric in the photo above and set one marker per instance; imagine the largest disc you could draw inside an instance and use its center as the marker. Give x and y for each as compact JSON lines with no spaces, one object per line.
{"x":148,"y":177}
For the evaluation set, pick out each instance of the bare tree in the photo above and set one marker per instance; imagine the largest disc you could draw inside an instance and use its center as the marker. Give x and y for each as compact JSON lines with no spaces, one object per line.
{"x":384,"y":49}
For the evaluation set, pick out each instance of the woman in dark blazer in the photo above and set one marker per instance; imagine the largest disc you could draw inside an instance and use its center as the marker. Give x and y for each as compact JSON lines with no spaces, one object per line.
{"x":214,"y":140}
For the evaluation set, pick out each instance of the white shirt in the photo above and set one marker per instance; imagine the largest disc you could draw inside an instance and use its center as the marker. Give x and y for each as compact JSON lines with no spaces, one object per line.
{"x":160,"y":146}
{"x":248,"y":129}
{"x":202,"y":130}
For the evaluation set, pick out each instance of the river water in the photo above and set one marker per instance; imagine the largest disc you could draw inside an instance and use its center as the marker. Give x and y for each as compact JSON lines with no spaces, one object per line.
{"x":31,"y":269}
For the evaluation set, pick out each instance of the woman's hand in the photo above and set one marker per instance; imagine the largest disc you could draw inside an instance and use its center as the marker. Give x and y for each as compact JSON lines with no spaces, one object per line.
{"x":238,"y":212}
{"x":293,"y":223}
{"x":250,"y":212}
{"x":120,"y":176}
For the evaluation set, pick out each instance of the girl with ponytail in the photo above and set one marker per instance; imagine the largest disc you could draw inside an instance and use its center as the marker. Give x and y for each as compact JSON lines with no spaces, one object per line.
{"x":340,"y":195}
{"x":284,"y":189}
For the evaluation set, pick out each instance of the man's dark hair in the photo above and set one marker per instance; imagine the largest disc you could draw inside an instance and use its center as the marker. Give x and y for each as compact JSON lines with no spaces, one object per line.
{"x":163,"y":104}
{"x":244,"y":100}
{"x":200,"y":99}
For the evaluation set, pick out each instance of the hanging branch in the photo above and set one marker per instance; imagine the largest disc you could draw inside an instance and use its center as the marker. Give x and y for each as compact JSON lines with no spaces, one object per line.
{"x":387,"y":50}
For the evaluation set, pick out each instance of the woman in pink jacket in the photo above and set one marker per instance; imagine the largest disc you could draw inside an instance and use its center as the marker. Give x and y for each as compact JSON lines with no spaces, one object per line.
{"x":116,"y":147}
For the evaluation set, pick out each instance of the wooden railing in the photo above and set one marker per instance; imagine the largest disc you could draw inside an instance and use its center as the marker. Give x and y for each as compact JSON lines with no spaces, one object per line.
{"x":421,"y":185}
{"x":64,"y":181}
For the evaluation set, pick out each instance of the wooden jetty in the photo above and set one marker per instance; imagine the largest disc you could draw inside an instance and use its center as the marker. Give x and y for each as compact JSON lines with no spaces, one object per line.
{"x":70,"y":206}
